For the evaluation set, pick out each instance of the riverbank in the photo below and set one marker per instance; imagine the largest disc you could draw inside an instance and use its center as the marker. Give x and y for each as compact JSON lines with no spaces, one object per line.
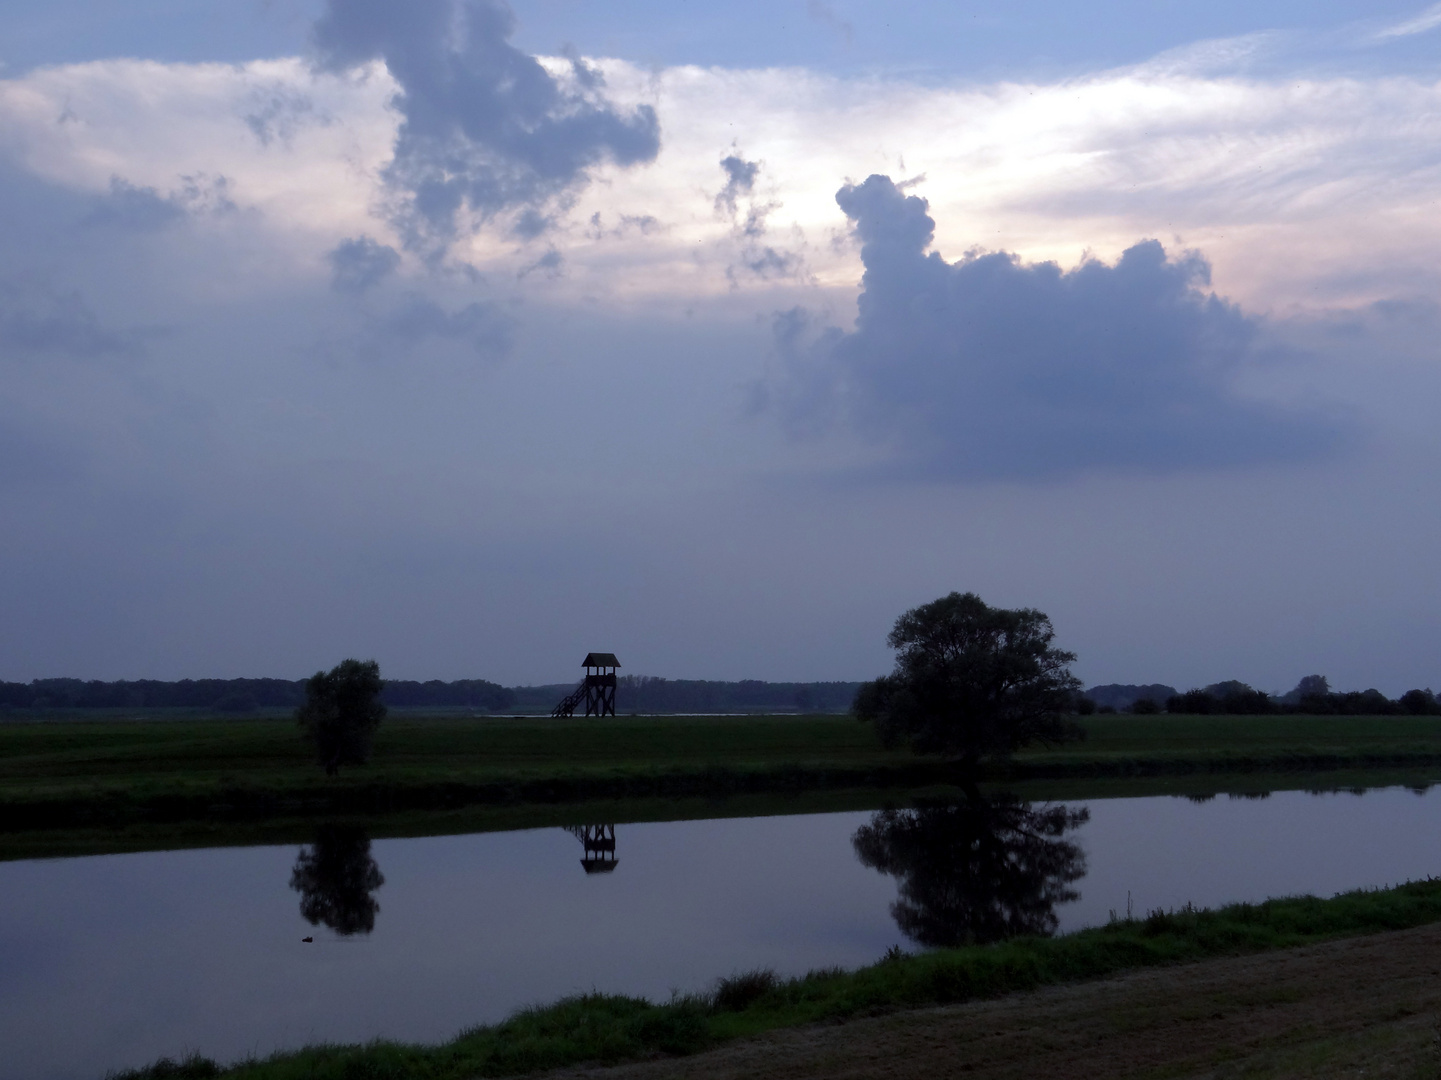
{"x":1357,"y":1007}
{"x":80,"y":776}
{"x":190,"y":833}
{"x":608,"y":1030}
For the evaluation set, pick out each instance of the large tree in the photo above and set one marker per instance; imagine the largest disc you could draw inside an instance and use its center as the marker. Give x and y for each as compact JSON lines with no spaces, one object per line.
{"x":341,"y":712}
{"x":972,"y":681}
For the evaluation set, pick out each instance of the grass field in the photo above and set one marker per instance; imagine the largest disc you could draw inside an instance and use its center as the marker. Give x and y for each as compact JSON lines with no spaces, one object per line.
{"x":607,"y":1029}
{"x":80,"y":775}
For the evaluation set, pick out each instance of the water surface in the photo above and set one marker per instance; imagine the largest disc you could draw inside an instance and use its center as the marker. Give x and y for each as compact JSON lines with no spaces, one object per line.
{"x":116,"y":960}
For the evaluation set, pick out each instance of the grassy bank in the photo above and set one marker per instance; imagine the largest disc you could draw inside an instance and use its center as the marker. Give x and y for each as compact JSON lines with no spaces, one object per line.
{"x":80,"y":775}
{"x":188,"y":833}
{"x":607,"y":1029}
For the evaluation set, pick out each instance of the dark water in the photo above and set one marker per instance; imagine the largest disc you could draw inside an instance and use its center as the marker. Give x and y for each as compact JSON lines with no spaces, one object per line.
{"x":113,"y":961}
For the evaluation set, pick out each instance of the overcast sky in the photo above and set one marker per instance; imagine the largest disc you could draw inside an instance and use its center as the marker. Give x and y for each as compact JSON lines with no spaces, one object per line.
{"x":473,"y":337}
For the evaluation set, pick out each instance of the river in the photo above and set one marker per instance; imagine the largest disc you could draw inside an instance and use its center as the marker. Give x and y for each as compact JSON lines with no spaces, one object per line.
{"x":113,"y":961}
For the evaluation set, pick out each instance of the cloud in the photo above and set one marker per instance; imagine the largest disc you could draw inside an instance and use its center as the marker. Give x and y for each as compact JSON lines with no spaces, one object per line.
{"x":1417,"y":24}
{"x":478,"y":326}
{"x":548,"y":265}
{"x":1309,"y":190}
{"x":141,"y":208}
{"x":485,"y":127}
{"x":769,"y":263}
{"x":33,"y":455}
{"x":991,"y":367}
{"x":645,"y":224}
{"x":740,"y":180}
{"x":144,"y":209}
{"x":361,"y":263}
{"x":759,"y":260}
{"x":278,"y":115}
{"x":37,"y":321}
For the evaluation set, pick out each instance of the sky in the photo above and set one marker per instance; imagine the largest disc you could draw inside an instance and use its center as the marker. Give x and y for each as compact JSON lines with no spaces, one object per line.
{"x":473,"y":337}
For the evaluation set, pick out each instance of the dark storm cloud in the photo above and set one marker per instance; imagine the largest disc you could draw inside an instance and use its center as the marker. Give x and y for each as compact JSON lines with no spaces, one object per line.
{"x":988,"y":367}
{"x":361,"y":263}
{"x":485,"y":127}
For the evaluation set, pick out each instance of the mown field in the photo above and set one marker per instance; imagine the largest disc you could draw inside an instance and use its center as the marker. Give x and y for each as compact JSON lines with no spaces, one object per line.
{"x":79,"y":774}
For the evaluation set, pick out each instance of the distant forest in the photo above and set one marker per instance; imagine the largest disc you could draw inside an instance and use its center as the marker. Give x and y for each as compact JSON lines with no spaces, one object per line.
{"x":638,"y":694}
{"x":650,"y":695}
{"x":236,"y":695}
{"x":1312,"y":696}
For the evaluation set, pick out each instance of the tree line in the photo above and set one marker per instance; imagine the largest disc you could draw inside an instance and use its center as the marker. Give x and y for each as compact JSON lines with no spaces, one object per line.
{"x":972,"y":682}
{"x":637,"y":693}
{"x":238,"y":695}
{"x":649,"y":694}
{"x":1312,"y":696}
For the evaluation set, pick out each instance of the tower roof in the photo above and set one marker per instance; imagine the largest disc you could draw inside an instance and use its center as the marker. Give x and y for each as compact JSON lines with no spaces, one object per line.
{"x":600,"y":659}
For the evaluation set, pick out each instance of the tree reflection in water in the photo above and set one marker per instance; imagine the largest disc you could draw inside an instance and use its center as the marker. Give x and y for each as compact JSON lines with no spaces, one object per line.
{"x":335,"y":877}
{"x":977,"y":870}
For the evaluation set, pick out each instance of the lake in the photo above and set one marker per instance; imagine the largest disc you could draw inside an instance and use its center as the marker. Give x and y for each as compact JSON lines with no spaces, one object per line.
{"x":113,"y":961}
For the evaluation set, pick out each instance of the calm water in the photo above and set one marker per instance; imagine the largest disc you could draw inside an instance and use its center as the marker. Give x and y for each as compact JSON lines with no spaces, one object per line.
{"x":113,"y":961}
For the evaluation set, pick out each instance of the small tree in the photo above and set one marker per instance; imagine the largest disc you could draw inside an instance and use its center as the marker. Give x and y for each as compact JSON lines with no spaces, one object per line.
{"x":341,"y":712}
{"x":972,"y":681}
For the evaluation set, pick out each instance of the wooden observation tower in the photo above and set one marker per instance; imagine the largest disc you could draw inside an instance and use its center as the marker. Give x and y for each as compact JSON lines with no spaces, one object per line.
{"x":597,"y":689}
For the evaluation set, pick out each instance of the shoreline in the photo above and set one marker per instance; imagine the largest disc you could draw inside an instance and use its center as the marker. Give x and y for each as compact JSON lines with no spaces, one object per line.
{"x":136,"y":835}
{"x":662,"y":1039}
{"x":356,"y":795}
{"x":208,"y":778}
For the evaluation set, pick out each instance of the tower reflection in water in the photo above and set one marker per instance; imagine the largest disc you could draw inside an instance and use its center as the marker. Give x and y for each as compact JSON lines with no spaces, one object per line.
{"x":977,"y":870}
{"x":599,"y":844}
{"x":335,"y":878}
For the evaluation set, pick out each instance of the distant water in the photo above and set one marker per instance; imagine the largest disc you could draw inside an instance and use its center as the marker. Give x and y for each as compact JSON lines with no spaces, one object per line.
{"x":113,"y":961}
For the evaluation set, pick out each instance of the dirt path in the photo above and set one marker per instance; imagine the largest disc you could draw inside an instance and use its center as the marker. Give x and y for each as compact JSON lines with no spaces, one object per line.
{"x":1365,"y":1006}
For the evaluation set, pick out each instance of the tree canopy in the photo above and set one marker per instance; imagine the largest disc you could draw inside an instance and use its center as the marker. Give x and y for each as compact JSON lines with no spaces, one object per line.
{"x":341,"y":712}
{"x":972,"y":681}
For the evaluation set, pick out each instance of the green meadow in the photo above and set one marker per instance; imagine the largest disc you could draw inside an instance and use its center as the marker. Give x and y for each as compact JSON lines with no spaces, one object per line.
{"x":155,"y":782}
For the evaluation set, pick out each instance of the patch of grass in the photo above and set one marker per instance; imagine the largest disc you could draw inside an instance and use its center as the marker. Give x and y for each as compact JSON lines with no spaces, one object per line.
{"x":1127,"y":746}
{"x":194,"y":1067}
{"x":608,"y":1029}
{"x":738,"y":992}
